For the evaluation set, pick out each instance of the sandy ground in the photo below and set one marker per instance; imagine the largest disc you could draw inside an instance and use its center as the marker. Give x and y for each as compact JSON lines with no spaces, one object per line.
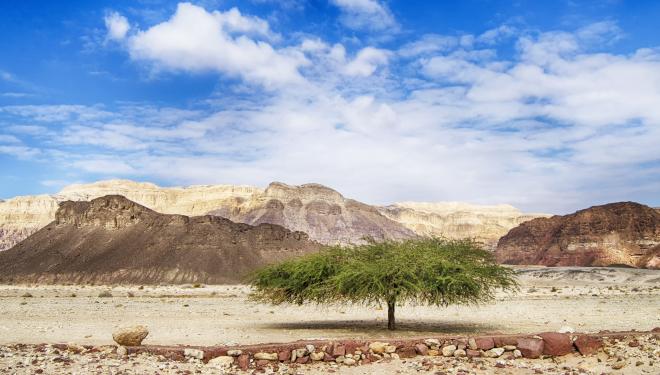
{"x":587,"y":300}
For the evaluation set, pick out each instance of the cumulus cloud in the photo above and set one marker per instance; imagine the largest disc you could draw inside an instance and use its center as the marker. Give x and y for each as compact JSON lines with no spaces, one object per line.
{"x":553,"y":127}
{"x":195,"y":40}
{"x":366,"y":15}
{"x":116,"y":25}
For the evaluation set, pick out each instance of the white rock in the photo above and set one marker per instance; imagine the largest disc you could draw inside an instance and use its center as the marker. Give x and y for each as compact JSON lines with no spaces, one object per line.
{"x":349,"y":361}
{"x":432,"y":342}
{"x":472,"y":343}
{"x":222,"y":362}
{"x":193,"y":353}
{"x":234,"y":353}
{"x":390,"y":349}
{"x":266,"y":356}
{"x":460,"y":353}
{"x":310,"y":348}
{"x":122,"y":351}
{"x":316,"y":356}
{"x":378,"y":347}
{"x":517,"y":353}
{"x":509,"y":348}
{"x":494,"y":353}
{"x":448,"y":350}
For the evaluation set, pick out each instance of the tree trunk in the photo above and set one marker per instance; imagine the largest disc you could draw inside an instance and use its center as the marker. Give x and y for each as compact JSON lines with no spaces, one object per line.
{"x":391,"y":325}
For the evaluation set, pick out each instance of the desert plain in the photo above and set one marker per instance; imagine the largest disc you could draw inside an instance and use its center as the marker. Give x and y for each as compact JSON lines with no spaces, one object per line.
{"x":550,"y":299}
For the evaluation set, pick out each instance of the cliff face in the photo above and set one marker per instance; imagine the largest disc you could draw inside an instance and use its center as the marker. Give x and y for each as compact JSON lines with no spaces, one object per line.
{"x":623,"y":233}
{"x":114,"y":240}
{"x":22,"y":216}
{"x":457,"y":220}
{"x":317,"y":210}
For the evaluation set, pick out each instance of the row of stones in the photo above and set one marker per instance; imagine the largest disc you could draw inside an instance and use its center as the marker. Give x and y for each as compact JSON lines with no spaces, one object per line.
{"x":355,"y":353}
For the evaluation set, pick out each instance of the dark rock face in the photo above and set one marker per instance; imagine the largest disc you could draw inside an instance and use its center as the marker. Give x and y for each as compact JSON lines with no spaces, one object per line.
{"x":114,"y":240}
{"x":625,"y":233}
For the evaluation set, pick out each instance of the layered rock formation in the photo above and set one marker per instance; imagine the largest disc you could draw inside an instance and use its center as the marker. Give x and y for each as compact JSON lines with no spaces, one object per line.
{"x":458,"y":220}
{"x":317,"y":210}
{"x":323,"y":213}
{"x":22,"y":216}
{"x":625,"y":233}
{"x":114,"y":240}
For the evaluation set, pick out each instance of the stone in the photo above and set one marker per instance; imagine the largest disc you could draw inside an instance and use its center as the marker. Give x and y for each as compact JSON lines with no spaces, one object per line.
{"x":406,"y":352}
{"x":122,"y":351}
{"x":434,"y":352}
{"x":494,"y":352}
{"x":310,"y":348}
{"x":193,"y":353}
{"x":302,"y":360}
{"x":530,"y":347}
{"x":349,"y":361}
{"x":316,"y":356}
{"x":517,"y":353}
{"x":484,"y":343}
{"x":130,"y":336}
{"x":261,"y":363}
{"x":234,"y":352}
{"x":448,"y":350}
{"x":327,"y":357}
{"x":301,"y":352}
{"x":432,"y":343}
{"x":460,"y":353}
{"x":422,"y":349}
{"x":471,"y":353}
{"x":266,"y":356}
{"x":588,"y":345}
{"x":340,"y":359}
{"x":509,"y":348}
{"x":556,"y":344}
{"x":378,"y":347}
{"x":390,"y":349}
{"x":285,"y":355}
{"x":243,"y":361}
{"x":338,"y":350}
{"x":472,"y":343}
{"x":222,"y":362}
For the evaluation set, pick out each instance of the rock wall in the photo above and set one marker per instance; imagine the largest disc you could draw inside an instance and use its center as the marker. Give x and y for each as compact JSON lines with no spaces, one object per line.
{"x":458,"y":220}
{"x":624,"y":233}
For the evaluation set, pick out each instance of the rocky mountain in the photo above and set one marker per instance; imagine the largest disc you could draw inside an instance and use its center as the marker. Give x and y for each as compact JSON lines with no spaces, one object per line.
{"x":114,"y":240}
{"x":322,"y":212}
{"x":624,"y":233}
{"x":319,"y":211}
{"x":458,"y":220}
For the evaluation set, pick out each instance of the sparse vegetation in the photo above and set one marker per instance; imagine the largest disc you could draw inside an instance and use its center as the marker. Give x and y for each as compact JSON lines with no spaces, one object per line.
{"x":428,"y":271}
{"x":27,"y":295}
{"x":105,"y":294}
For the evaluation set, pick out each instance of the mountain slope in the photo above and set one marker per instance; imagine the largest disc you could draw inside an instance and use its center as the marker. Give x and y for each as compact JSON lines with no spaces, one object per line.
{"x":319,"y":211}
{"x":114,"y":240}
{"x":625,"y":233}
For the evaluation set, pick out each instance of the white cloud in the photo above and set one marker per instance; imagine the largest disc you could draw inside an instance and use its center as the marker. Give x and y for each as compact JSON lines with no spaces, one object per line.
{"x":117,"y":26}
{"x":554,"y":127}
{"x":366,"y":15}
{"x":195,"y":40}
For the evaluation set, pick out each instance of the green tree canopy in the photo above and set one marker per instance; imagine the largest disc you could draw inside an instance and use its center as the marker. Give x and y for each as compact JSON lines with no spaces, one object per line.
{"x":429,"y":271}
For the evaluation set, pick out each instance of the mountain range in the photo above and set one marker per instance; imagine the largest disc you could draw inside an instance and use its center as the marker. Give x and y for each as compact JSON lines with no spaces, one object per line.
{"x":325,"y":214}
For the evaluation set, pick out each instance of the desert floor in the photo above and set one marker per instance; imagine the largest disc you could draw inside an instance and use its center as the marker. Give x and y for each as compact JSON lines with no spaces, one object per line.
{"x":586,"y":299}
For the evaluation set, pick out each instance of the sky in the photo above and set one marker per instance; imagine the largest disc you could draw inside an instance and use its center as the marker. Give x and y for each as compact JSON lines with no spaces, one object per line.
{"x":551,"y":106}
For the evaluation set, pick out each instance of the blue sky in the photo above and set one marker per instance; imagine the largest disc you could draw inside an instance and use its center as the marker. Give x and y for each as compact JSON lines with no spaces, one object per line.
{"x":547,"y":105}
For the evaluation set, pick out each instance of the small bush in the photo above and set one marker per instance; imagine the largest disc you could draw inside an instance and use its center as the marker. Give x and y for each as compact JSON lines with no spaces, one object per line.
{"x":130,"y":294}
{"x":105,"y":294}
{"x":27,"y":295}
{"x":197,"y":285}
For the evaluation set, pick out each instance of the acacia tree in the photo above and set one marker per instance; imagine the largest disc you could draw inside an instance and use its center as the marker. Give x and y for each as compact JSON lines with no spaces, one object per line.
{"x":428,"y":271}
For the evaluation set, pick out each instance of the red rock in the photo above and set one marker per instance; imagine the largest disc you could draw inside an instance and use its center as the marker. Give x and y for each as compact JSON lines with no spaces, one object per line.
{"x":352,"y":346}
{"x":422,"y":349}
{"x":484,"y":343}
{"x":501,"y":341}
{"x":588,"y":345}
{"x":407,"y":352}
{"x":302,"y":360}
{"x":328,"y":358}
{"x":262,"y":362}
{"x":284,"y":355}
{"x":656,"y":330}
{"x":366,"y":361}
{"x":473,"y":353}
{"x":338,"y":350}
{"x":243,"y":361}
{"x":530,"y":347}
{"x":556,"y":344}
{"x":633,"y":343}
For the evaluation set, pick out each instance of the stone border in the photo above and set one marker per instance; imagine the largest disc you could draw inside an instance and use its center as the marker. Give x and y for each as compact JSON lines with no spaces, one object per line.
{"x":361,"y":352}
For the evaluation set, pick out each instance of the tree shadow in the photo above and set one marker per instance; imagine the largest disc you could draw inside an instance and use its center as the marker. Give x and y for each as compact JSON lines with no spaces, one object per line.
{"x":372,"y":327}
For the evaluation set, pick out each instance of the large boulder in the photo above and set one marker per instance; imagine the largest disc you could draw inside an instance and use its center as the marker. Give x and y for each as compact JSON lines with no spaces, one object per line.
{"x":130,"y":336}
{"x":588,"y":345}
{"x":530,"y":347}
{"x":556,"y":344}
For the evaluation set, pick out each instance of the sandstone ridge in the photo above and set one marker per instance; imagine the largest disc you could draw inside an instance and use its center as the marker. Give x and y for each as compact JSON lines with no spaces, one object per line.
{"x":624,"y":233}
{"x":114,"y":240}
